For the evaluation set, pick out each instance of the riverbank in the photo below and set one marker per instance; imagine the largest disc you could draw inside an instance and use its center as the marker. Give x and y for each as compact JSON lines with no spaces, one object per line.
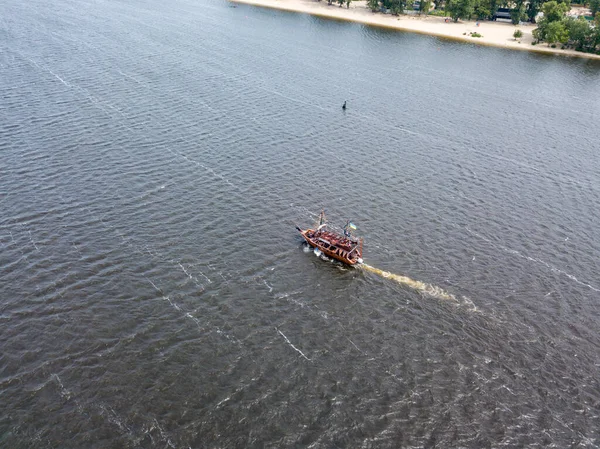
{"x":495,"y":34}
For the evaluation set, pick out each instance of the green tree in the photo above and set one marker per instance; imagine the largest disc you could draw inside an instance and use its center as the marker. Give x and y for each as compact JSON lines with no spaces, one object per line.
{"x":556,"y":32}
{"x":483,"y":9}
{"x":493,"y":7}
{"x":460,"y":9}
{"x":518,"y":13}
{"x":538,"y":34}
{"x":533,"y":8}
{"x":579,"y":32}
{"x":594,"y":6}
{"x":348,"y":3}
{"x":373,"y":5}
{"x":554,"y":11}
{"x":595,"y":35}
{"x":425,"y":6}
{"x":517,"y":34}
{"x":395,"y":6}
{"x":341,"y":2}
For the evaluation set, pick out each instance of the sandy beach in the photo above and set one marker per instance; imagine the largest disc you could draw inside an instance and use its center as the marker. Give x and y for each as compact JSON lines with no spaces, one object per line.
{"x":497,"y":34}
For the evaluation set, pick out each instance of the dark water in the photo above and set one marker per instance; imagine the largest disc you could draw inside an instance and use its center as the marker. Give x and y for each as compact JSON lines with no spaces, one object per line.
{"x":154,"y":159}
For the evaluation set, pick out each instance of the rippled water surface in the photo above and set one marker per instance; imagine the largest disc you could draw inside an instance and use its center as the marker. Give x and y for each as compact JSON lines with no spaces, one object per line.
{"x":154,"y":160}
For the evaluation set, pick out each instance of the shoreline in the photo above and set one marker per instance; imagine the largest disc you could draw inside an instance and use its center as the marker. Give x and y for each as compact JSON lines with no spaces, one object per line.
{"x":494,"y":34}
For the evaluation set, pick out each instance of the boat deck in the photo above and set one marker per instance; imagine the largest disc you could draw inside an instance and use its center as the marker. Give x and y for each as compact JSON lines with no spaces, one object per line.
{"x":334,"y":245}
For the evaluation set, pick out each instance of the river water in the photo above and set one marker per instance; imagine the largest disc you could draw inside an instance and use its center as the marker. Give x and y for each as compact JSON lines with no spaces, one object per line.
{"x":154,"y":293}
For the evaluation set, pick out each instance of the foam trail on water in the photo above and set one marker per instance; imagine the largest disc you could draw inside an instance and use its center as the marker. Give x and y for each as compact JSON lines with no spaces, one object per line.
{"x":428,"y":289}
{"x":290,"y":343}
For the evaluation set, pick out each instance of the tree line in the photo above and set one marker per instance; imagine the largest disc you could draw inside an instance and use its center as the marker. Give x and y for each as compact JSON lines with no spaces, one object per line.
{"x":554,"y":28}
{"x":557,"y":28}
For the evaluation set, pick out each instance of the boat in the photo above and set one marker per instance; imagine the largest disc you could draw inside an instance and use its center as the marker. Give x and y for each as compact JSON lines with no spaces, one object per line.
{"x":343,"y":247}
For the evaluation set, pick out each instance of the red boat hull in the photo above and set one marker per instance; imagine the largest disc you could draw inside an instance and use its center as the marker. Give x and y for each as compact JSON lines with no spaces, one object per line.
{"x":326,"y":244}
